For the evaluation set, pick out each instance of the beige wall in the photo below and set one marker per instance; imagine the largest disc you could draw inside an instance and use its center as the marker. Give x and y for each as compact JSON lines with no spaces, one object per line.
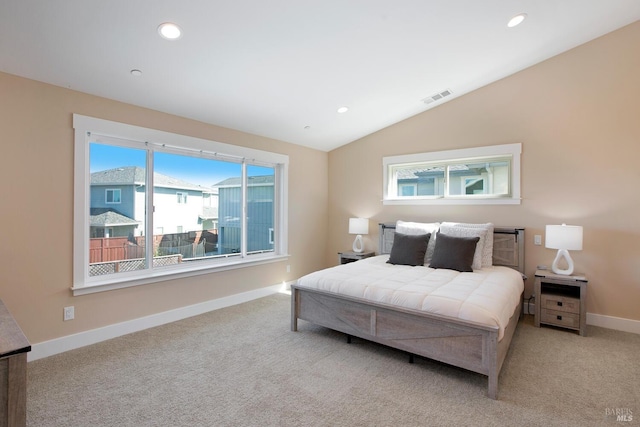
{"x":36,"y":188}
{"x":577,"y":116}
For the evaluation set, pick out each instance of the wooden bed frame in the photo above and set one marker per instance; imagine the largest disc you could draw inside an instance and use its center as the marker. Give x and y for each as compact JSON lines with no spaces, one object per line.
{"x":460,"y":343}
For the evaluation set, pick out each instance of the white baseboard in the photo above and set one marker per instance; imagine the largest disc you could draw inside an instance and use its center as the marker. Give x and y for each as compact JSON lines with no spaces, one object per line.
{"x":70,"y":342}
{"x":617,"y":323}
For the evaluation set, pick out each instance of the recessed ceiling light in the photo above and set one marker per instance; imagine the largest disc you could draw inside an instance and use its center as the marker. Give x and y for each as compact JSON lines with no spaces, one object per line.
{"x":136,"y":73}
{"x":343,"y":110}
{"x":169,"y":31}
{"x":516,"y":20}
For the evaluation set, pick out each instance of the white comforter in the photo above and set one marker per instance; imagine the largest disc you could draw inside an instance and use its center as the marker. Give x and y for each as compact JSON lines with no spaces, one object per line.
{"x":488,"y":296}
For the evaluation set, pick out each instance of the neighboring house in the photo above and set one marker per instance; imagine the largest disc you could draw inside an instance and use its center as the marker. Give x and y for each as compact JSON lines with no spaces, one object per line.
{"x":107,"y":222}
{"x":209,"y":215}
{"x":260,"y":217}
{"x":118,"y":204}
{"x":479,"y":178}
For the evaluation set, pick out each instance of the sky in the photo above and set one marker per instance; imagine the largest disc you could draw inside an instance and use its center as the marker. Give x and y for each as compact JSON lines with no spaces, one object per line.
{"x":196,"y":170}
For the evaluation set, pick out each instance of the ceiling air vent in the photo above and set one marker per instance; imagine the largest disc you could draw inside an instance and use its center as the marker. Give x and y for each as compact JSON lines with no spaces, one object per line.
{"x":437,"y":96}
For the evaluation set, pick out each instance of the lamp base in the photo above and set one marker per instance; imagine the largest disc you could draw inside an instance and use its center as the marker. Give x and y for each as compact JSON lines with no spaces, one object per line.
{"x":562,"y":253}
{"x":358,"y":246}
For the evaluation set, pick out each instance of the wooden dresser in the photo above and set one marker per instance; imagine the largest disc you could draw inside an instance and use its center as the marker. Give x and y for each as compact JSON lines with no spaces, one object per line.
{"x":14,"y":347}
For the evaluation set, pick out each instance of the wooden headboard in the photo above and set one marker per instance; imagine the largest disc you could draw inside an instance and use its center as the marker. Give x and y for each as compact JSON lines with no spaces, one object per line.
{"x":508,"y":244}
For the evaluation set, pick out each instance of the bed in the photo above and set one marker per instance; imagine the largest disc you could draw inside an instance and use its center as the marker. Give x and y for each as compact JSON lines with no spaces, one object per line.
{"x":362,"y":299}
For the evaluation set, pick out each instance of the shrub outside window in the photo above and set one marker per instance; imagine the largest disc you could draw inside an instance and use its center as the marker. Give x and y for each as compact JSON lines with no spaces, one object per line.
{"x":483,"y":175}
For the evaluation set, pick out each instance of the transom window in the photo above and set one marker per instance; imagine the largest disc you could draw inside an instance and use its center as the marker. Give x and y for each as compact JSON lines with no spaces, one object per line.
{"x":172,"y":206}
{"x":484,"y":175}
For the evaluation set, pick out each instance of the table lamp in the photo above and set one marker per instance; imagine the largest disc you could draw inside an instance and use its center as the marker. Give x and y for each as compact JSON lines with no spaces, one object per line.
{"x":358,"y":226}
{"x":563,"y":238}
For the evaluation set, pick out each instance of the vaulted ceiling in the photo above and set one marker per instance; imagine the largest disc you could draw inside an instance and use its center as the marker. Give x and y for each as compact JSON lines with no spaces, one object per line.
{"x":282,"y":68}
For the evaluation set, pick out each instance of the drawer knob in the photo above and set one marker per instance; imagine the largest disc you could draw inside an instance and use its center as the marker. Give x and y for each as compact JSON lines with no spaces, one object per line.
{"x":559,"y":317}
{"x":559,"y":303}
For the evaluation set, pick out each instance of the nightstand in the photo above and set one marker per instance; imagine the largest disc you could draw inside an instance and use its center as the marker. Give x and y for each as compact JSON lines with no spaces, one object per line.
{"x":561,"y":300}
{"x":347,"y":257}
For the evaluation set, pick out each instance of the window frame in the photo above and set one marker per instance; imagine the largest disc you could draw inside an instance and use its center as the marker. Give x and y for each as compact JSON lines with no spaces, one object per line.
{"x":113,"y":193}
{"x":85,"y":131}
{"x":449,"y":158}
{"x":182,"y":197}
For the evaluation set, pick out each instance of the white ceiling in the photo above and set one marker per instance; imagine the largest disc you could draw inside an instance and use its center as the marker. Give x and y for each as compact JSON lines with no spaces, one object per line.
{"x":281,"y":68}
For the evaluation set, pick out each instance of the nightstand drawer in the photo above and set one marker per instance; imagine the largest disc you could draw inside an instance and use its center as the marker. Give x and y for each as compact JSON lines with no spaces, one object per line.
{"x":559,"y":303}
{"x":560,"y":318}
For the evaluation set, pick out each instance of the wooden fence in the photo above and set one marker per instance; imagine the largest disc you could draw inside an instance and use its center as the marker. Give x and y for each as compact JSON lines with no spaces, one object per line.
{"x":104,"y":249}
{"x":107,"y":249}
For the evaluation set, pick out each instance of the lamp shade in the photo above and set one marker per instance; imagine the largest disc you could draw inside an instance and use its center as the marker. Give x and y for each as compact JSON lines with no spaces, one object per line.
{"x":358,"y":226}
{"x":564,"y":236}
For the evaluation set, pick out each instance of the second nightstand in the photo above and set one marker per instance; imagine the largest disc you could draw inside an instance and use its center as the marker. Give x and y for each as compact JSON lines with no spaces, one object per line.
{"x":347,"y":257}
{"x":561,"y":300}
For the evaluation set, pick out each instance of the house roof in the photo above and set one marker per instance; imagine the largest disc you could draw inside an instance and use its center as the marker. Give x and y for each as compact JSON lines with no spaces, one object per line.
{"x":108,"y":217}
{"x":252,"y":181}
{"x":422,"y":171}
{"x":135,"y":175}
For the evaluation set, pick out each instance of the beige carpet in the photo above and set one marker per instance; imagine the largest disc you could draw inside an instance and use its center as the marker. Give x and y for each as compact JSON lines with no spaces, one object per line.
{"x":242,"y":366}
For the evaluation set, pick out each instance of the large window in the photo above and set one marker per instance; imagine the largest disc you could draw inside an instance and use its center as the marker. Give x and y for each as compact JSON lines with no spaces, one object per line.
{"x":151,"y":205}
{"x":484,"y":175}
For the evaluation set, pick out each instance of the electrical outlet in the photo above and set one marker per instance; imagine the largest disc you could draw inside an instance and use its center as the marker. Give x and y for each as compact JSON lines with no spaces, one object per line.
{"x":69,"y":313}
{"x":288,"y":268}
{"x":537,"y":240}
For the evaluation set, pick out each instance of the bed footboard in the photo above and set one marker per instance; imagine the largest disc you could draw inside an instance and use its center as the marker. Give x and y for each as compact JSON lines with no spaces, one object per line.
{"x":467,"y":345}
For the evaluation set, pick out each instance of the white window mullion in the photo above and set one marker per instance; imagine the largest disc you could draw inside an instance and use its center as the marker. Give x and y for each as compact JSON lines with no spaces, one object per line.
{"x":244,"y":210}
{"x":447,"y":180}
{"x":277,"y":203}
{"x":281,"y":213}
{"x":149,"y":211}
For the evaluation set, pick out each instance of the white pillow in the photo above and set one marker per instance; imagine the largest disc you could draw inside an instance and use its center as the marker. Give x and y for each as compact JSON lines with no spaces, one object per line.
{"x":419,"y":228}
{"x":487,"y":242}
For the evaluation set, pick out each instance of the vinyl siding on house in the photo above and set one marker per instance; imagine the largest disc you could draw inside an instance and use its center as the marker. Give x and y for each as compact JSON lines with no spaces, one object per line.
{"x":260,"y":220}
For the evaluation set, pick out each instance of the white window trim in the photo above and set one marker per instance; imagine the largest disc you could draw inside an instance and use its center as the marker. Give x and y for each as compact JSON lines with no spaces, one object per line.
{"x":449,"y":156}
{"x":85,"y":126}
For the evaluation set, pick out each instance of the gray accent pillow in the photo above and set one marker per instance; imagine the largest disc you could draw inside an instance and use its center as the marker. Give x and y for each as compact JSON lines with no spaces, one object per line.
{"x":408,"y":250}
{"x":485,"y":245}
{"x":414,"y":228}
{"x":454,"y":253}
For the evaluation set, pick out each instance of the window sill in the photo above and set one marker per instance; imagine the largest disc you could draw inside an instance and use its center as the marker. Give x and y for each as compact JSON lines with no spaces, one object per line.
{"x":451,"y":201}
{"x":160,"y":275}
